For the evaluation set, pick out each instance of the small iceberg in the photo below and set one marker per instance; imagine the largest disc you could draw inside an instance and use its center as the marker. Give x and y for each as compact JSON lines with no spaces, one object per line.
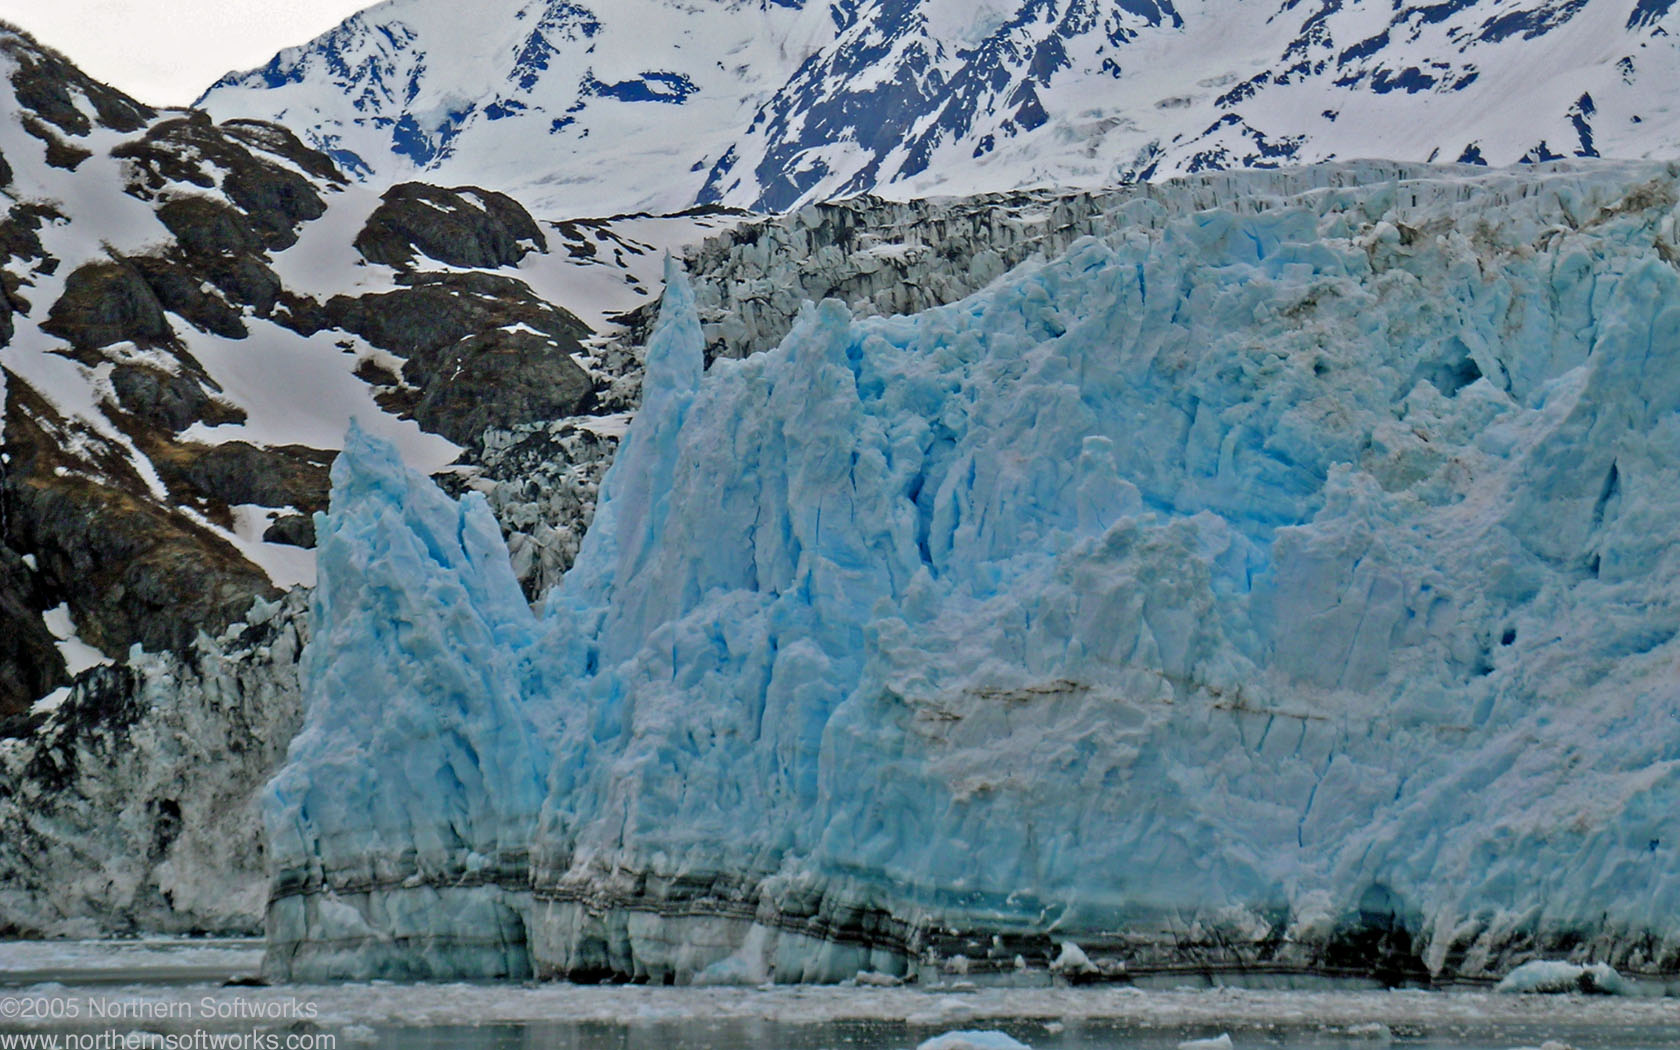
{"x":988,"y":1040}
{"x":1555,"y":976}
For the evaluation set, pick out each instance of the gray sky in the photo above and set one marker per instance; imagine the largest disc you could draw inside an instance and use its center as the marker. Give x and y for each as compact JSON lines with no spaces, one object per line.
{"x":166,"y":52}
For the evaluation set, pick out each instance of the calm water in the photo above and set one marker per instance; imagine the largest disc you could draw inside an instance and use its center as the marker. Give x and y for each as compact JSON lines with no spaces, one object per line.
{"x":1085,"y":1035}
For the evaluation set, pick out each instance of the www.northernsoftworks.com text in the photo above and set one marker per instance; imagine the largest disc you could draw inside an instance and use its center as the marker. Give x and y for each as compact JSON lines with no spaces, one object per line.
{"x":113,"y":1039}
{"x":116,"y":1008}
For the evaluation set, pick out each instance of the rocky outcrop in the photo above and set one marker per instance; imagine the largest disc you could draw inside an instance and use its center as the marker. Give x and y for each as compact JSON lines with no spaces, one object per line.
{"x":185,"y":295}
{"x":218,"y":477}
{"x":224,"y":247}
{"x":172,"y":401}
{"x":30,"y":665}
{"x":105,"y":303}
{"x":47,"y":84}
{"x":498,"y":380}
{"x":59,"y":153}
{"x":436,"y":310}
{"x":294,"y":530}
{"x":478,"y":351}
{"x":131,"y":567}
{"x":465,"y":226}
{"x":192,"y":150}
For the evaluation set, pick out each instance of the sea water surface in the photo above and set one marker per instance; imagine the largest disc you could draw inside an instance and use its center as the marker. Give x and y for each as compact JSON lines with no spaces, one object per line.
{"x":170,"y":994}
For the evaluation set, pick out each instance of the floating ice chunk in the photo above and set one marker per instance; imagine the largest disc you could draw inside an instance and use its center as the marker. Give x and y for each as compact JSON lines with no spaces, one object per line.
{"x":986,"y":1040}
{"x":1222,"y":1041}
{"x":1556,"y":976}
{"x":1375,"y":1031}
{"x":1073,"y":960}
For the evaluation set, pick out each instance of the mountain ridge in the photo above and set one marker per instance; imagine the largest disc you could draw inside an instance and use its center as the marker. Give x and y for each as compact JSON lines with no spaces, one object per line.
{"x":770,"y":106}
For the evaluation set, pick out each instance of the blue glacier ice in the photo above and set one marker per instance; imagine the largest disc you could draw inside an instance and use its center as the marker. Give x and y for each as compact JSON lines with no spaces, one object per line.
{"x":1286,"y":583}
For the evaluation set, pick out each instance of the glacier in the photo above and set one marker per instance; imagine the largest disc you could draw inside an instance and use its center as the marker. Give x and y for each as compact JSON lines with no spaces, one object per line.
{"x":1287,"y":585}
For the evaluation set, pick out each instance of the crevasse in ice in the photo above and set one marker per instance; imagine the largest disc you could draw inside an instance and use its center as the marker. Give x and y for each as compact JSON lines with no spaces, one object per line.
{"x":1287,"y":583}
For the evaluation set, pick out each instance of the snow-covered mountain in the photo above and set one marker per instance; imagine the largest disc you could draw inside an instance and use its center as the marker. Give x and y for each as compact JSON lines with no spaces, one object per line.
{"x":587,"y":107}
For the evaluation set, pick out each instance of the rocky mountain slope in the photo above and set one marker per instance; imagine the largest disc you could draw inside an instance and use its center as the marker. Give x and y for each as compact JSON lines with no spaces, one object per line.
{"x":193,"y":313}
{"x":768,"y":105}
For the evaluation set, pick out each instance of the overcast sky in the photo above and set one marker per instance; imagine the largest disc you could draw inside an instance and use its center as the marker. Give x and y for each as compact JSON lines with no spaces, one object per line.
{"x":166,"y":52}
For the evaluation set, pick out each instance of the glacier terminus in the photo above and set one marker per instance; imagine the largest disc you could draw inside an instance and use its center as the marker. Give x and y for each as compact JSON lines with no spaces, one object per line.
{"x":1283,"y":581}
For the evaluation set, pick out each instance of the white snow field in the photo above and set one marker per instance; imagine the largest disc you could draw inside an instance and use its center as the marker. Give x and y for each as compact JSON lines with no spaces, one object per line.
{"x":1288,"y":586}
{"x":772,"y":105}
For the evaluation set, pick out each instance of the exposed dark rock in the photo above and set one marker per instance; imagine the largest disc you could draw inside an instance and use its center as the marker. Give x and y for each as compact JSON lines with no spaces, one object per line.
{"x":20,"y":239}
{"x":170,"y":402}
{"x":302,"y":315}
{"x":297,"y":530}
{"x":30,"y":666}
{"x":464,"y":370}
{"x":5,"y":171}
{"x":181,"y":292}
{"x":131,"y":569}
{"x":140,"y":573}
{"x":20,"y":234}
{"x":466,"y":226}
{"x":105,"y":303}
{"x":204,"y":226}
{"x":376,"y":373}
{"x":273,"y":198}
{"x":221,"y":245}
{"x":498,"y":380}
{"x":439,"y":310}
{"x":46,"y":83}
{"x":60,"y":154}
{"x":279,"y":140}
{"x":173,"y":151}
{"x":246,"y":279}
{"x":239,"y":472}
{"x":276,"y":199}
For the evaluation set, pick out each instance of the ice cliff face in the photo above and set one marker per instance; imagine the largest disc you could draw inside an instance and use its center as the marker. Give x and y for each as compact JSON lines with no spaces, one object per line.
{"x":1284,"y":585}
